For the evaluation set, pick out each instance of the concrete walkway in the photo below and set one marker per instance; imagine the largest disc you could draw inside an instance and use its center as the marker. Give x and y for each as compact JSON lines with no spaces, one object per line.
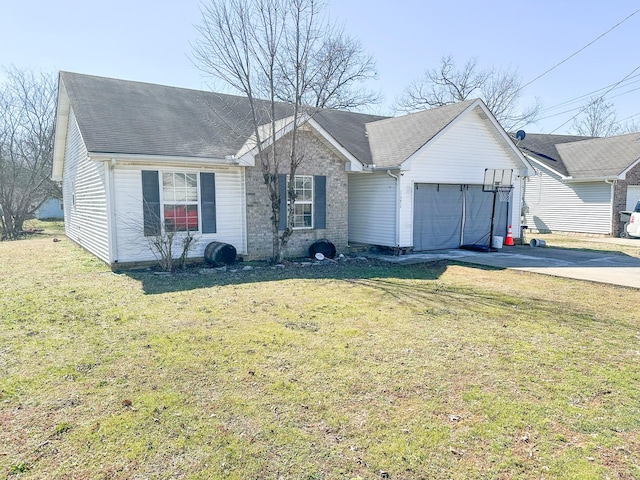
{"x":604,"y":267}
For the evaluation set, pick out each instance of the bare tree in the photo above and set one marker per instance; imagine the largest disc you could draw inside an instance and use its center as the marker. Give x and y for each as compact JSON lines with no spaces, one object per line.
{"x":27,"y":111}
{"x":338,"y":74}
{"x":596,"y":119}
{"x":630,"y":126}
{"x":447,"y":84}
{"x":274,"y":51}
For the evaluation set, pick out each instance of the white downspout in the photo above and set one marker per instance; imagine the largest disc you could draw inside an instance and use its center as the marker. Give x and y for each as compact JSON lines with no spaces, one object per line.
{"x":613,"y":192}
{"x":397,"y":225}
{"x":111,"y":223}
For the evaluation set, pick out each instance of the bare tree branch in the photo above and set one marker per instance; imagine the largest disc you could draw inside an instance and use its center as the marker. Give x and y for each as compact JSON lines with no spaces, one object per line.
{"x":27,"y":111}
{"x":597,"y":119}
{"x":500,"y":90}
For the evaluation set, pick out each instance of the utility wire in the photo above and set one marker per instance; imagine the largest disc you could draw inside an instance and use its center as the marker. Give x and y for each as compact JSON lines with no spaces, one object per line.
{"x":577,"y":52}
{"x":600,"y":97}
{"x":590,"y":94}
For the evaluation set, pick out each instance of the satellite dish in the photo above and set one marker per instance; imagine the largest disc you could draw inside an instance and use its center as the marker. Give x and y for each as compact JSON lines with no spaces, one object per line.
{"x":520,"y":134}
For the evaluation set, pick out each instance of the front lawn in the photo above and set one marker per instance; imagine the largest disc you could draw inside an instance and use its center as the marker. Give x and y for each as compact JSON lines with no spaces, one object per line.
{"x":346,"y":371}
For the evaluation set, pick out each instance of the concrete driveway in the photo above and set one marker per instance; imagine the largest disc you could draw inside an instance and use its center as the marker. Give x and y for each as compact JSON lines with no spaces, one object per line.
{"x":604,"y":267}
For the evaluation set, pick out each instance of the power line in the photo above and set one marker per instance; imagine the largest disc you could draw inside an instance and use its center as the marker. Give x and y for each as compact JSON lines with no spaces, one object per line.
{"x":590,"y":94}
{"x":601,"y":96}
{"x":629,"y":117}
{"x":573,"y":109}
{"x":578,"y":51}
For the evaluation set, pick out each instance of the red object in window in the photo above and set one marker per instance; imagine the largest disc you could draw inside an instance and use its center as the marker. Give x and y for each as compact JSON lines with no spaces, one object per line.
{"x":181,"y":218}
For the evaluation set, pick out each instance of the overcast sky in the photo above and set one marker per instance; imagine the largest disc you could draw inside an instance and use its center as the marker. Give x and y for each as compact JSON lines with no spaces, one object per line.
{"x":150,"y":40}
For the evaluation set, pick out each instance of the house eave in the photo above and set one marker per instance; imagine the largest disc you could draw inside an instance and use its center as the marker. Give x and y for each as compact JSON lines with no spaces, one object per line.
{"x":547,"y":167}
{"x":354,"y":165}
{"x":163,"y":160}
{"x":63,"y":110}
{"x":606,"y":179}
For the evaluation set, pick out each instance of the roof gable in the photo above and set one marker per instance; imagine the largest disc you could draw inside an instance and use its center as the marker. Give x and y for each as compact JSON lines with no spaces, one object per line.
{"x":394,"y":140}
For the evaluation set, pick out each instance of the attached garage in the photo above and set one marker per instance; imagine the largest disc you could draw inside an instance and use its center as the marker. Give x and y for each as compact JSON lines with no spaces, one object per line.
{"x":423,"y":190}
{"x":449,"y":216}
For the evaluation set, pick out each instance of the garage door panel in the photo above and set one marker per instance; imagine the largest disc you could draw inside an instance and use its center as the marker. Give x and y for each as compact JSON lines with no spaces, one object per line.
{"x":437,"y":216}
{"x":477,"y":225}
{"x":442,"y":212}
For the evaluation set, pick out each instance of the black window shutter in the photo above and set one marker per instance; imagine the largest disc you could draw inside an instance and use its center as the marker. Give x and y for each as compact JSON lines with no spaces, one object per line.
{"x":208,"y":201}
{"x":151,"y":202}
{"x":319,"y":202}
{"x":282,"y":190}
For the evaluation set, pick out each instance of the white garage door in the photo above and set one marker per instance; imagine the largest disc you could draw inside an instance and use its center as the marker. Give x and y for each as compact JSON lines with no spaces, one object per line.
{"x":633,"y":196}
{"x":448,"y":216}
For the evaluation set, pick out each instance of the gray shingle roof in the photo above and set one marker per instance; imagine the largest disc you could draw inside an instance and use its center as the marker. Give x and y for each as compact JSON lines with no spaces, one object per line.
{"x":135,"y":118}
{"x":584,"y":157}
{"x":543,"y":148}
{"x":350,"y":130}
{"x":119,"y":116}
{"x":601,"y":157}
{"x":395,"y":139}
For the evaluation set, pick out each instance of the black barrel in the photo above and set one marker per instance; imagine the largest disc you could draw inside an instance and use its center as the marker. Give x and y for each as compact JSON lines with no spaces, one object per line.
{"x":220,"y":254}
{"x":324,"y":246}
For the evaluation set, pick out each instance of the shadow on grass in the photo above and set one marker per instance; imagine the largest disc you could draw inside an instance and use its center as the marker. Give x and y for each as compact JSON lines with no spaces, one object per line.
{"x":153,"y":283}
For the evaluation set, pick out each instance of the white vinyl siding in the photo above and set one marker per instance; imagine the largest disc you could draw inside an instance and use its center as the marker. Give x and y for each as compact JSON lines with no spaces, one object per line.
{"x":372,"y":209}
{"x":84,"y":195}
{"x":458,"y":157}
{"x":567,"y":207}
{"x":132,"y":246}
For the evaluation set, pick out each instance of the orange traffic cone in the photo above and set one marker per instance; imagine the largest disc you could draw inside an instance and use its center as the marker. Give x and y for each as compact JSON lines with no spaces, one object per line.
{"x":509,"y":240}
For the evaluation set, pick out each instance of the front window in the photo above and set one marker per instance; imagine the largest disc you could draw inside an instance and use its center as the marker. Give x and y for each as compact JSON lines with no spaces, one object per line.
{"x":180,"y":201}
{"x":303,"y":205}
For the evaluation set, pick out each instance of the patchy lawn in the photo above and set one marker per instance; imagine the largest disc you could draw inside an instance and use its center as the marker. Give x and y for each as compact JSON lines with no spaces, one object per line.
{"x":347,"y":371}
{"x":624,"y":246}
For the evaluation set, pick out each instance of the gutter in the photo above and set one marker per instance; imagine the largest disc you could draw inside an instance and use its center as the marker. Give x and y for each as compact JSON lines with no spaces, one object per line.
{"x":608,"y":180}
{"x":141,"y":159}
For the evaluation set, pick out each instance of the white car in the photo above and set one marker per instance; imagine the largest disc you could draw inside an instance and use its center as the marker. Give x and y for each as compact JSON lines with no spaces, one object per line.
{"x":632,"y":227}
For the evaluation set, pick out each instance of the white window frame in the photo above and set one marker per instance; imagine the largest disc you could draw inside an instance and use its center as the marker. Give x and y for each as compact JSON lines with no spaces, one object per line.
{"x":302,"y":202}
{"x":165,"y":199}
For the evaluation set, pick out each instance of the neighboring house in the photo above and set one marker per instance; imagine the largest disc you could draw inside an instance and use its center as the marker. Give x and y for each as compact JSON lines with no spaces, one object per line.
{"x":581,"y":183}
{"x":51,"y":209}
{"x":136,"y":158}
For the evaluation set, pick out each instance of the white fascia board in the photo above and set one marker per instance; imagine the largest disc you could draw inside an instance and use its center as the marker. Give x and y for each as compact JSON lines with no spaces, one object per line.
{"x":247,"y":153}
{"x":547,"y":167}
{"x":151,"y":160}
{"x":593,"y":179}
{"x":623,"y":175}
{"x":355,"y":165}
{"x":63,"y":110}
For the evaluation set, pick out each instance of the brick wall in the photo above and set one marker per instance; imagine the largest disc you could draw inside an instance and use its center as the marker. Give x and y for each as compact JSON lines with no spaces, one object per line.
{"x":319,"y":159}
{"x":620,"y":197}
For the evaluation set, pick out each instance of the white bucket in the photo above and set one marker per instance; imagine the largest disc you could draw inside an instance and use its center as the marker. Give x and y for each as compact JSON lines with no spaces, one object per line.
{"x":536,"y":242}
{"x":497,"y":242}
